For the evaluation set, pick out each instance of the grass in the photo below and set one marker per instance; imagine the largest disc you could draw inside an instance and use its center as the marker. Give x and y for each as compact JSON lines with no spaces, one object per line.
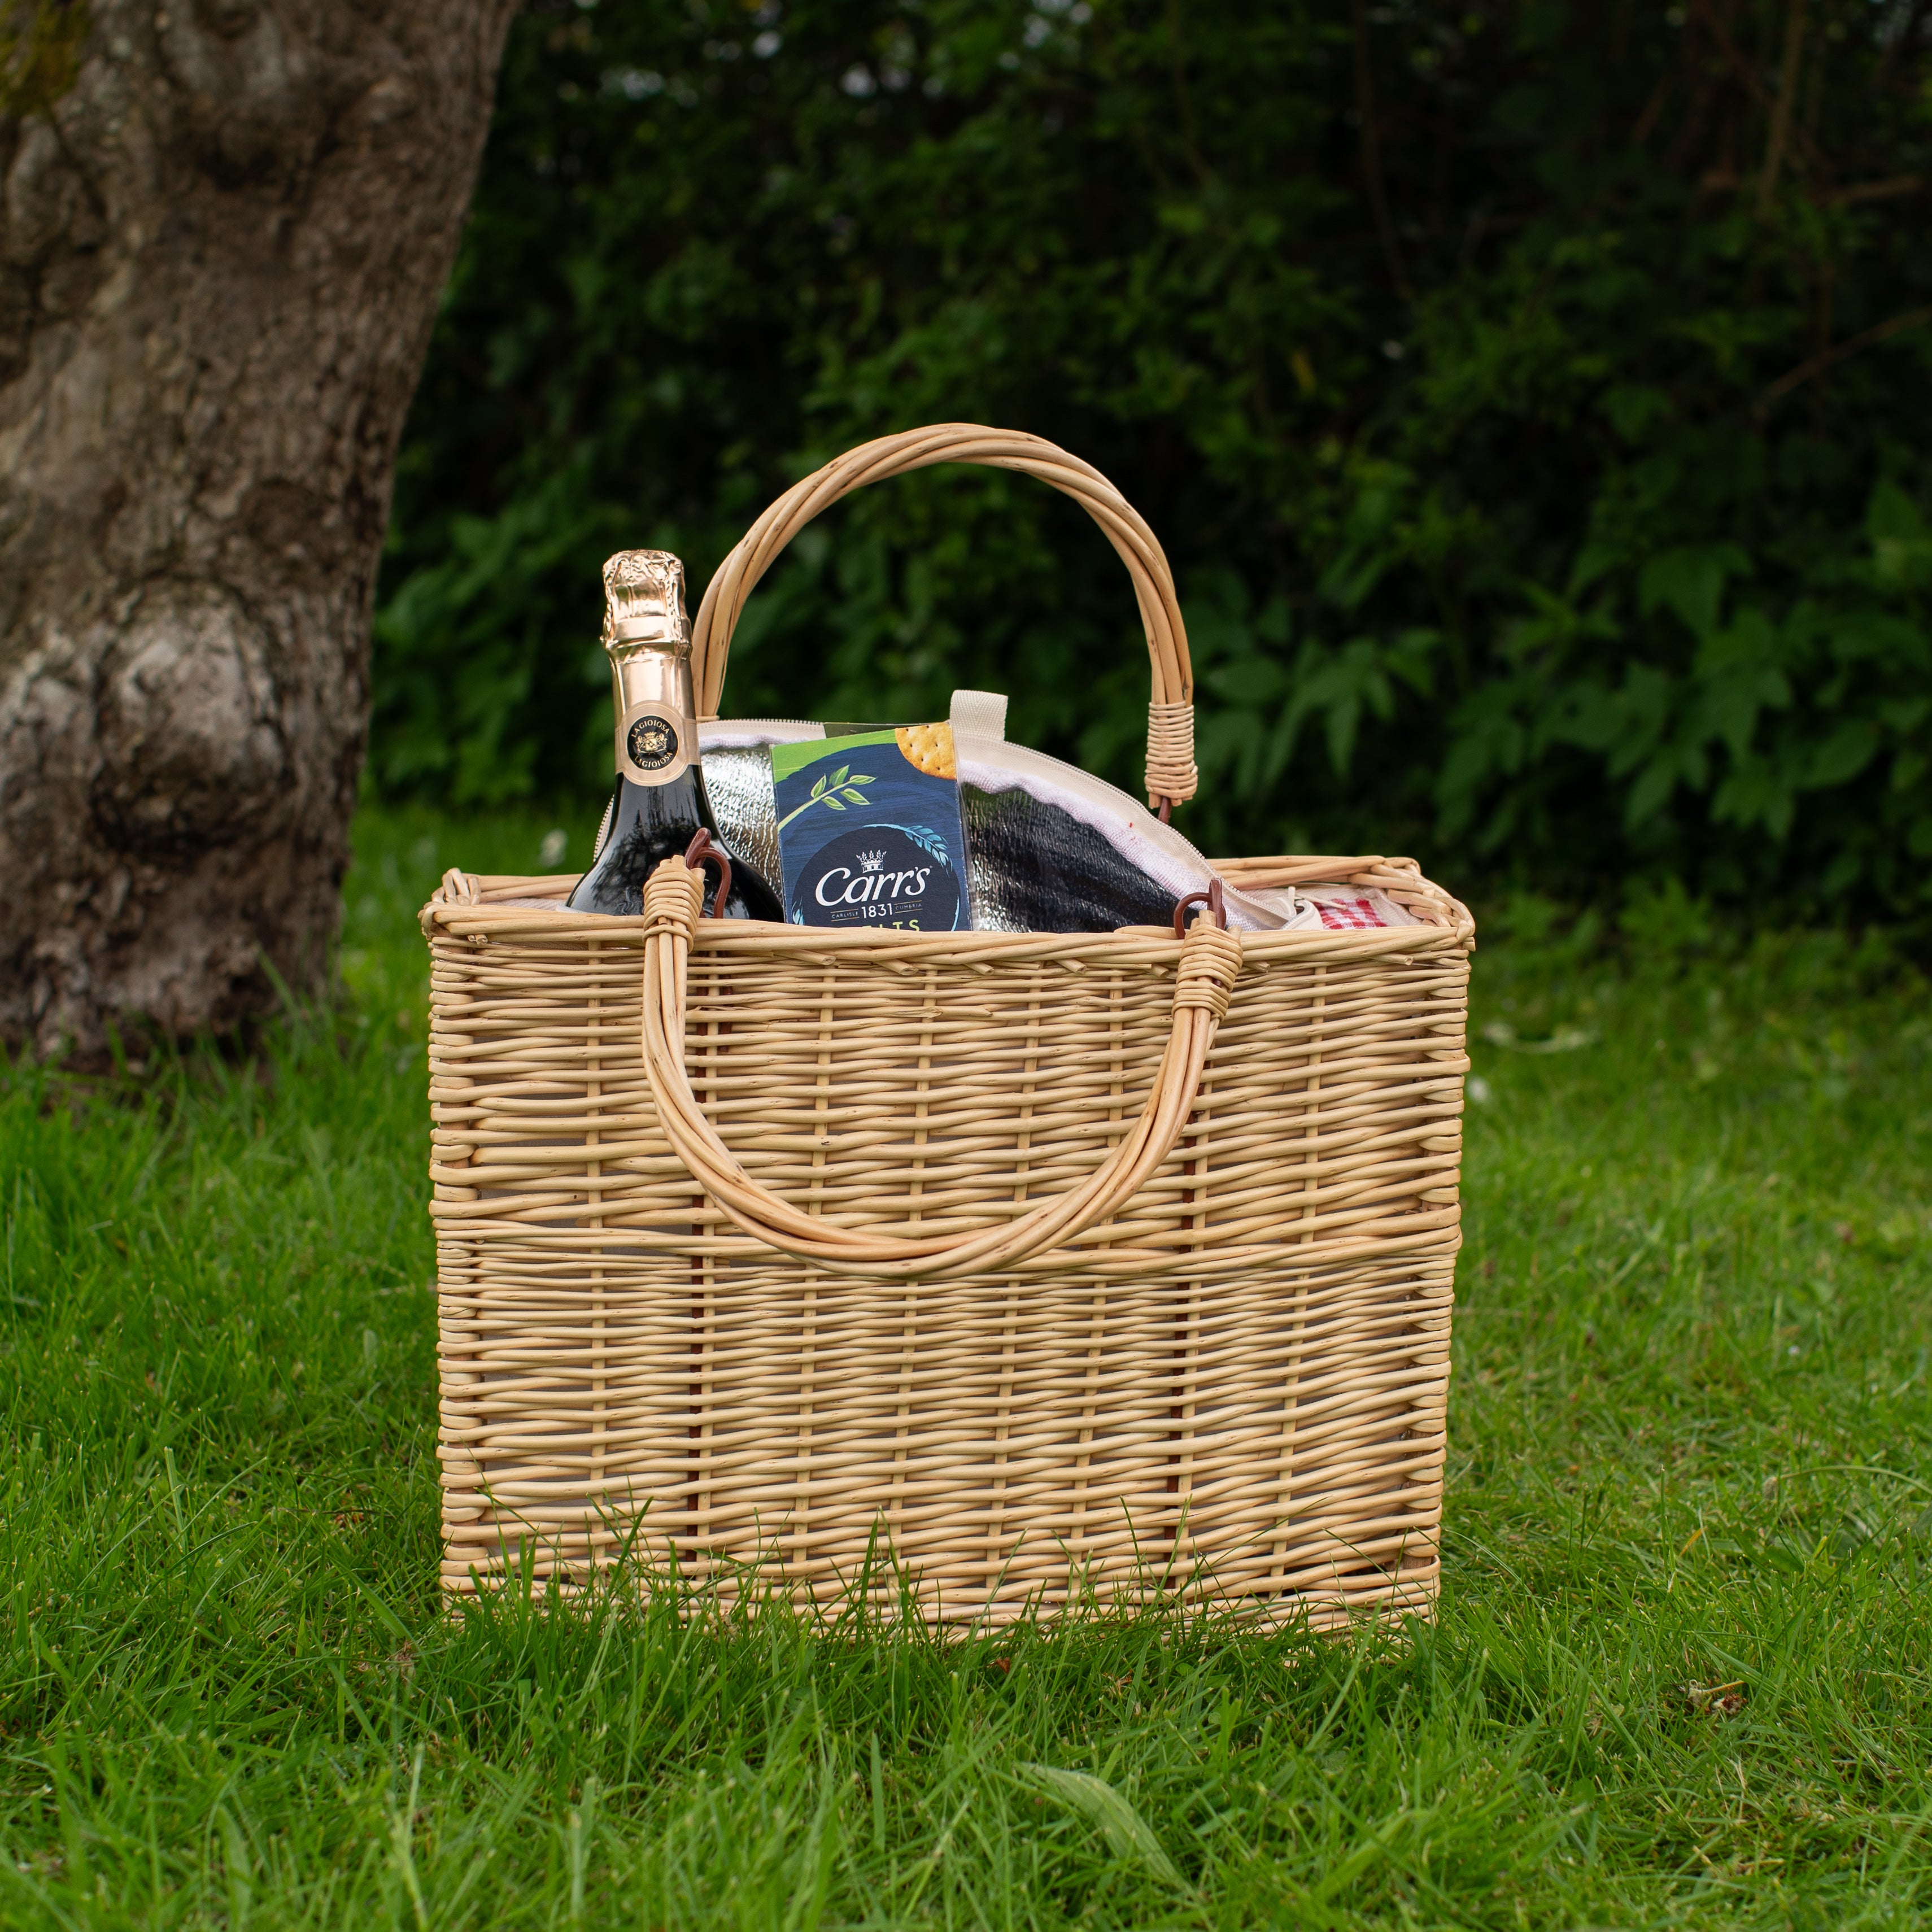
{"x":1680,"y":1675}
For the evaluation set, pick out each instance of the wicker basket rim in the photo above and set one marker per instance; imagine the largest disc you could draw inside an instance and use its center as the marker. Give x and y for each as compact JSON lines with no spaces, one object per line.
{"x":471,"y":905}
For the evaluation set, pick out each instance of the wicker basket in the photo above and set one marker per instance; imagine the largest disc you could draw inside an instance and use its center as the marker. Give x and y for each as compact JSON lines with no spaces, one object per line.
{"x":1060,"y":1266}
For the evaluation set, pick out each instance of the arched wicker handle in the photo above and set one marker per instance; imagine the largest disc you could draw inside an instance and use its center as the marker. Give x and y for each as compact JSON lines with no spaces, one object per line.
{"x":1211,"y":960}
{"x":1170,"y":763}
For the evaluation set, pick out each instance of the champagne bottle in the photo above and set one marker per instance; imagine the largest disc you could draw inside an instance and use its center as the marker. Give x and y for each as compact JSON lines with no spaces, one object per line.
{"x":659,"y":804}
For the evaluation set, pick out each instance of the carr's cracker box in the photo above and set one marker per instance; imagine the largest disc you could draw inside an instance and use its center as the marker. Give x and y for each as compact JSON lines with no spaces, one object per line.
{"x":870,"y":832}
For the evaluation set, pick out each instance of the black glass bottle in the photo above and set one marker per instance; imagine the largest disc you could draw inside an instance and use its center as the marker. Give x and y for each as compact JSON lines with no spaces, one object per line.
{"x":659,"y":805}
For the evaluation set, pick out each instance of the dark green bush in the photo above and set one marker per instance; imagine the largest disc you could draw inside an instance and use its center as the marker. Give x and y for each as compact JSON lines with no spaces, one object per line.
{"x":1533,"y":399}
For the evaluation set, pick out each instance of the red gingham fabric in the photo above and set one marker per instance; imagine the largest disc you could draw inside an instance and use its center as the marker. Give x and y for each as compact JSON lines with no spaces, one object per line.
{"x":1347,"y":915}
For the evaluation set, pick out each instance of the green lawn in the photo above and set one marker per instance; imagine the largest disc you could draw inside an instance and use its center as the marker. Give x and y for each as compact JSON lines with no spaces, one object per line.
{"x":1681,"y":1674}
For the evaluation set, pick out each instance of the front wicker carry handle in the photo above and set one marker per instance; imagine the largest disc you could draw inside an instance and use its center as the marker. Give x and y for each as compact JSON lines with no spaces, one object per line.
{"x":1170,"y":774}
{"x":1211,"y":960}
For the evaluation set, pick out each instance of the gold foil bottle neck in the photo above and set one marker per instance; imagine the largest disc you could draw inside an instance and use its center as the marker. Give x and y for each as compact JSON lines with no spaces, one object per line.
{"x":643,"y":600}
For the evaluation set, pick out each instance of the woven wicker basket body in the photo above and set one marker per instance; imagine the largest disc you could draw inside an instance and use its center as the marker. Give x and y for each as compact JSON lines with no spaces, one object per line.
{"x":1052,"y":1265}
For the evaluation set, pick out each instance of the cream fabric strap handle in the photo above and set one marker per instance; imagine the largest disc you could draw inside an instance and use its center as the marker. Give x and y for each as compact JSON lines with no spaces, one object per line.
{"x":1170,"y":766}
{"x":1210,"y":961}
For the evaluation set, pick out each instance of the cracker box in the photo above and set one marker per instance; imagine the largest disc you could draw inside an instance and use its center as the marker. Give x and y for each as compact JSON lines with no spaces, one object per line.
{"x":870,"y":832}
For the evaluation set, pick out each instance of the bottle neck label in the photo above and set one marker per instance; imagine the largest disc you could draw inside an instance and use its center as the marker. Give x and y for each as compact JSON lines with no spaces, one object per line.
{"x":656,"y":743}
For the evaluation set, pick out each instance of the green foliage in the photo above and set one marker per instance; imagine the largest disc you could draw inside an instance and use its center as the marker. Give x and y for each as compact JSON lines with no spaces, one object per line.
{"x":1531,"y":398}
{"x":1679,"y":1677}
{"x":1149,"y":246}
{"x":40,"y":44}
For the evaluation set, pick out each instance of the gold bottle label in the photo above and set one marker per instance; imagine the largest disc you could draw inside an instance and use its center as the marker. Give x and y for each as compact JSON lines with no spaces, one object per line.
{"x":656,"y":743}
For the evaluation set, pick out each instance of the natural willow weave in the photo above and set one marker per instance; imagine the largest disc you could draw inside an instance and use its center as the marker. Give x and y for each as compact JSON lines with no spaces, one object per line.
{"x":1046,"y":1263}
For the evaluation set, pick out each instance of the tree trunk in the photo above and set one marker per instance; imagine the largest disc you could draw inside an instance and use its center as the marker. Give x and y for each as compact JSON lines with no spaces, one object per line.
{"x":225,"y":227}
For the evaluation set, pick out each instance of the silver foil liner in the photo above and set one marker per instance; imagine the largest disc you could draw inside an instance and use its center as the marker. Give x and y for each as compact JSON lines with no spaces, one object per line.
{"x":1030,"y":866}
{"x":738,"y":780}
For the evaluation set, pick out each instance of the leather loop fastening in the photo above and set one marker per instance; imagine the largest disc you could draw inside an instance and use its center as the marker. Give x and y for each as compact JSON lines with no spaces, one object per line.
{"x":1210,"y":962}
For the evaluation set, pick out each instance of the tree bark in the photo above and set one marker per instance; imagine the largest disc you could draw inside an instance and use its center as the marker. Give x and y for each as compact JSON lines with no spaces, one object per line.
{"x":224,"y":227}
